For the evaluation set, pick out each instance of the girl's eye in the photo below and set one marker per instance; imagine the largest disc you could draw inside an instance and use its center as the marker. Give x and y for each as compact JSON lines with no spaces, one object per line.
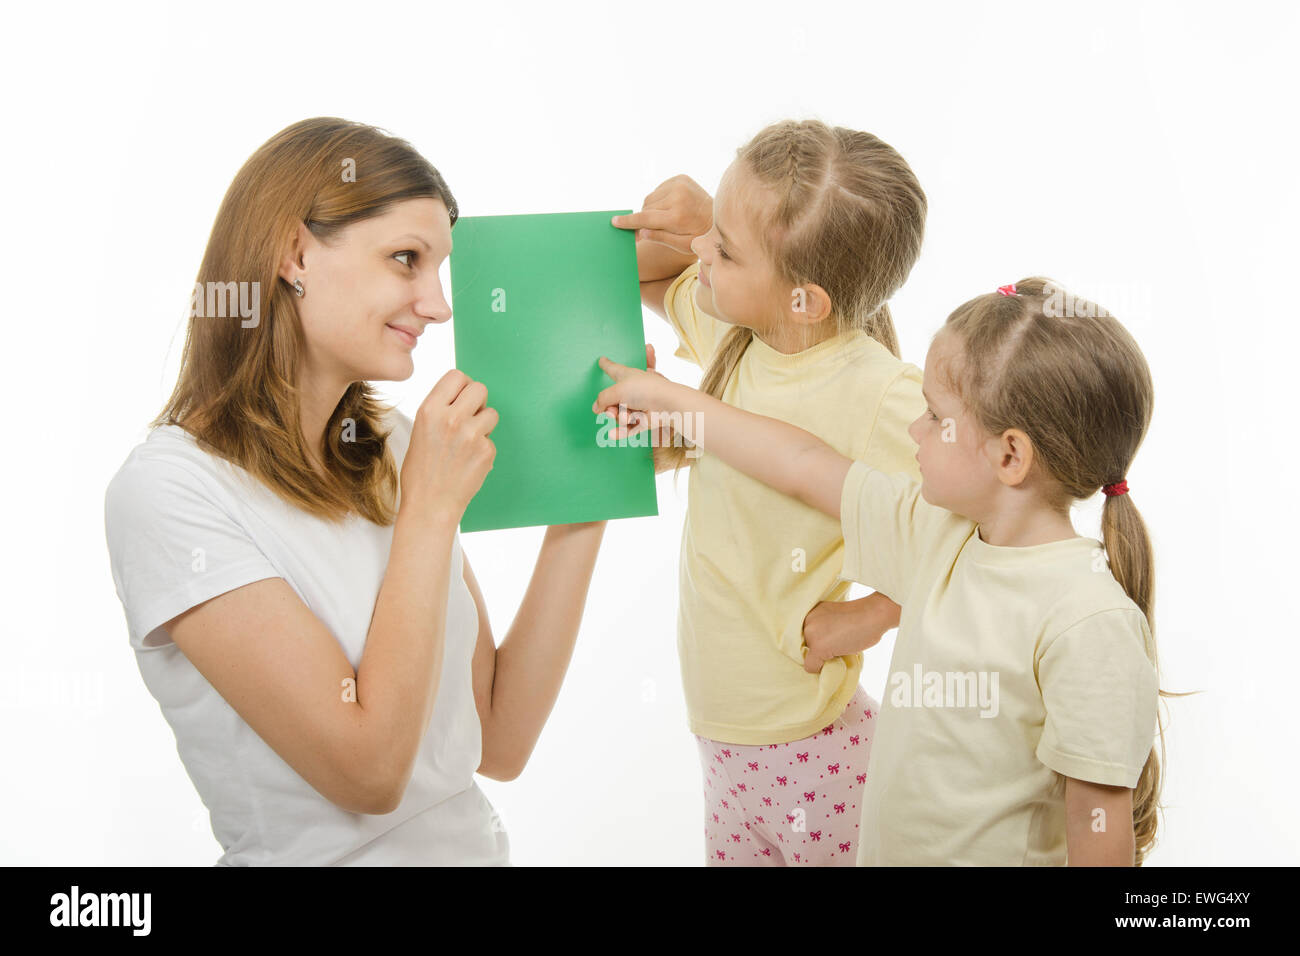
{"x":718,"y":246}
{"x":933,"y":416}
{"x":406,"y":252}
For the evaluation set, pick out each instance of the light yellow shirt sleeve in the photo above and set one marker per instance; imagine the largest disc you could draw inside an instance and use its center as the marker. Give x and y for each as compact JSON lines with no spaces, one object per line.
{"x":889,"y":447}
{"x":698,"y":332}
{"x":885,"y":522}
{"x":1100,"y":692}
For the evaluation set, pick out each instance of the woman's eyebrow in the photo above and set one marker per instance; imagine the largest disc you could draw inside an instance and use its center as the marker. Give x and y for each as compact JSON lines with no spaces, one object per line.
{"x":411,"y":235}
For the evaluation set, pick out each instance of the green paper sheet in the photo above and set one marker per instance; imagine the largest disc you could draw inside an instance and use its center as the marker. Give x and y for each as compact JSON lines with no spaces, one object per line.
{"x":536,"y":300}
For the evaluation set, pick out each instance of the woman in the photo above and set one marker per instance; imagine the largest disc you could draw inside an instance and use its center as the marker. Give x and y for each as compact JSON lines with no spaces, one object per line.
{"x":286,"y":548}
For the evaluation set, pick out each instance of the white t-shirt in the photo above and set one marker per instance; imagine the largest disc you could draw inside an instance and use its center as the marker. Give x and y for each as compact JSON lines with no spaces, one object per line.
{"x":184,"y":526}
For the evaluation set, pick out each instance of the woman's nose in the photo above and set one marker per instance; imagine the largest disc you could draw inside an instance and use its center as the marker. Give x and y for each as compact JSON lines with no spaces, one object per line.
{"x":432,"y":303}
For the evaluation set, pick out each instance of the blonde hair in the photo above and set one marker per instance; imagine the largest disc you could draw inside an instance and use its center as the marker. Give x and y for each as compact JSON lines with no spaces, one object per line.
{"x":1069,"y":375}
{"x":849,"y":217}
{"x":237,"y":391}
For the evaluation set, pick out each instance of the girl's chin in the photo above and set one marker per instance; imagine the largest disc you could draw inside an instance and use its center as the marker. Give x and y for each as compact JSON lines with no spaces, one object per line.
{"x":705,"y":303}
{"x":704,"y":299}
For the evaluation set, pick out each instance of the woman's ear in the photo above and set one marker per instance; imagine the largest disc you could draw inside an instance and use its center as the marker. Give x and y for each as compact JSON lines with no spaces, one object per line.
{"x":809,"y":303}
{"x":292,"y":264}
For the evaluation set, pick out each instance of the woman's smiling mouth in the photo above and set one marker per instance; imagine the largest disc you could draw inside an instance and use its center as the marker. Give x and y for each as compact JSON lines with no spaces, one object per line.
{"x":407,"y":337}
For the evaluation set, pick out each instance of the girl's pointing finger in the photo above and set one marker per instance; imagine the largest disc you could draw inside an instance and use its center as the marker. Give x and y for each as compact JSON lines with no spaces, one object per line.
{"x":611,"y":368}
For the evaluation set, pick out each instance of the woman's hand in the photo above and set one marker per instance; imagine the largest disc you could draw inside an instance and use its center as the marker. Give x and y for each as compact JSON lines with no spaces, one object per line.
{"x":633,"y":396}
{"x":449,"y":454}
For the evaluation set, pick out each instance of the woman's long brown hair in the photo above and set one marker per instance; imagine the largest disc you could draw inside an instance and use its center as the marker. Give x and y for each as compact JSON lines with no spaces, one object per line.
{"x":238,"y":389}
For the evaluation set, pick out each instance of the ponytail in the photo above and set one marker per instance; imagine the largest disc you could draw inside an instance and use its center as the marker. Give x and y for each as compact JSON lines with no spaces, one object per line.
{"x":881,"y":328}
{"x":1128,"y":551}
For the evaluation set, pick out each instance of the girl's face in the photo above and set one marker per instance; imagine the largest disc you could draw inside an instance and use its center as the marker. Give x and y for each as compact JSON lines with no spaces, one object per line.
{"x":738,"y":283}
{"x":380,"y":276}
{"x":957,"y":459}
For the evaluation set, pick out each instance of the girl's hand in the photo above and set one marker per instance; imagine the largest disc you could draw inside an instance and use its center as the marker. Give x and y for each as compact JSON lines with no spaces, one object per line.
{"x":839,"y":628}
{"x":675,"y":213}
{"x":633,"y":394}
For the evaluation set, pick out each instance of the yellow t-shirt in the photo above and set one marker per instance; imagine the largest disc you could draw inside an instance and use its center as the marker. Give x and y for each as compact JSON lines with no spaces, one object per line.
{"x":1012,"y":666}
{"x":754,"y":562}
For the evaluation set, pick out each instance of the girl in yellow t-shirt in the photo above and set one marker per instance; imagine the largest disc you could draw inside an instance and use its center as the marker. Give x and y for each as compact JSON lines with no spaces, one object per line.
{"x":813,"y":230}
{"x":1019,"y":720}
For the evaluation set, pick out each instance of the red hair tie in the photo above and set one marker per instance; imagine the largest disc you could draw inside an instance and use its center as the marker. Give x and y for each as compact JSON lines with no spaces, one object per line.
{"x":1118,"y":488}
{"x":1008,"y":289}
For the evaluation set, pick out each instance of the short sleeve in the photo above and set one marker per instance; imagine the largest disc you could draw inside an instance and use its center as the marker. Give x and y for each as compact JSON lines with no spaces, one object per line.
{"x":172,"y":545}
{"x":883,"y":517}
{"x":1100,"y":692}
{"x":890,"y":447}
{"x":698,"y":332}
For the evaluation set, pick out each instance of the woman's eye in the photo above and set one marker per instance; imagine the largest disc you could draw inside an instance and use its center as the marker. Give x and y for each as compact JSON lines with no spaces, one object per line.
{"x":406,"y":252}
{"x":718,"y":246}
{"x":933,"y":416}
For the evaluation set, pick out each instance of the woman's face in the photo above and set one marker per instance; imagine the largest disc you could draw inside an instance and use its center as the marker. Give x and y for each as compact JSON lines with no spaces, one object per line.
{"x":379,"y":277}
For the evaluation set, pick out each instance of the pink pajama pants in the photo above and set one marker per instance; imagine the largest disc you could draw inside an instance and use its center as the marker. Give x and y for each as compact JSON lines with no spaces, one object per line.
{"x":791,"y":804}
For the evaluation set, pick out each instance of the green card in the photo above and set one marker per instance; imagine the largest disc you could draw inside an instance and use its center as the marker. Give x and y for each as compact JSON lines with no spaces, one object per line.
{"x":537,"y":299}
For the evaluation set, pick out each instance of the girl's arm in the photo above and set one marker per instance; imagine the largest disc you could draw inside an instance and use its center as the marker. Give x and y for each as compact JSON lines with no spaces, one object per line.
{"x":839,"y":628}
{"x":674,"y":214}
{"x":788,"y":459}
{"x":1098,"y":824}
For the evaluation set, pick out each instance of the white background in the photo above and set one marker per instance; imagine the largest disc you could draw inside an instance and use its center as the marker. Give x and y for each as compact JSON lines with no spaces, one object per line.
{"x":1141,"y":153}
